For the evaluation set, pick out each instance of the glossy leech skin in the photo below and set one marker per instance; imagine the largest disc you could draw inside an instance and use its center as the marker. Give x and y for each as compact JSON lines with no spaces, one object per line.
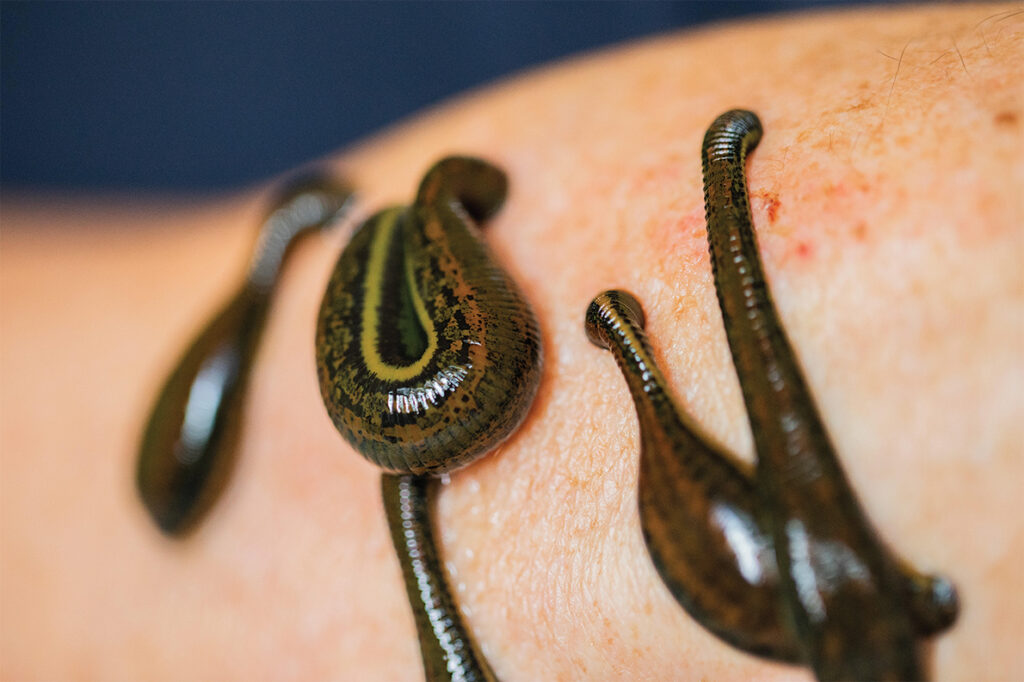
{"x":844,"y":592}
{"x":447,"y":647}
{"x":698,"y":506}
{"x":188,"y":446}
{"x":428,"y":357}
{"x":781,"y":561}
{"x":427,"y":354}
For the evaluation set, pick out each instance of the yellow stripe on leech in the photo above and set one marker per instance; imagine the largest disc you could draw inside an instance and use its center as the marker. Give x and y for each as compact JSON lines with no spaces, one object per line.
{"x":373,"y":283}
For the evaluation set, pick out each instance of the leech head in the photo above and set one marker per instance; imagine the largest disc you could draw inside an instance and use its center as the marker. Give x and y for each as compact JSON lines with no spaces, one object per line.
{"x":313,"y":200}
{"x":318,"y":182}
{"x":477,"y":185}
{"x":732,"y":135}
{"x":933,"y":600}
{"x":608,"y":311}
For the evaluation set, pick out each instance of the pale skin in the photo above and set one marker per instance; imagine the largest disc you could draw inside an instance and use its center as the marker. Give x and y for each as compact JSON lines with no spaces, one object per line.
{"x":886,"y":196}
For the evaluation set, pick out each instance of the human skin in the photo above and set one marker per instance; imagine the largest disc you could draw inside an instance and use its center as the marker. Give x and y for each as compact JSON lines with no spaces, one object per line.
{"x":887,"y":201}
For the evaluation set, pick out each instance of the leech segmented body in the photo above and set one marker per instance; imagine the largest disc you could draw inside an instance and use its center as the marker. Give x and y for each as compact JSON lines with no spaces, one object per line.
{"x":188,"y":445}
{"x":447,"y":647}
{"x":782,"y":561}
{"x":428,"y":357}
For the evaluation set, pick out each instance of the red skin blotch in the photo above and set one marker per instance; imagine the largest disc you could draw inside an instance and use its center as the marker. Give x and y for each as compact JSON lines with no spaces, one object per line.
{"x":770,"y":202}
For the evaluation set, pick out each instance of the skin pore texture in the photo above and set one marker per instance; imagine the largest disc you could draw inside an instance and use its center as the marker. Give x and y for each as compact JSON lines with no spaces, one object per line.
{"x":886,"y":199}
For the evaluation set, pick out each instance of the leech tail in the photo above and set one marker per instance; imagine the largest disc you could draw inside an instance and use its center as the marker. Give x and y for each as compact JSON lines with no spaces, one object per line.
{"x":447,"y":648}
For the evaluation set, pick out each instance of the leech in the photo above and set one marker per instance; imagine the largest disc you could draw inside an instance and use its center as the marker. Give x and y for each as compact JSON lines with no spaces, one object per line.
{"x":447,"y":647}
{"x":698,"y":507}
{"x":188,"y":446}
{"x":428,"y":357}
{"x":781,"y":562}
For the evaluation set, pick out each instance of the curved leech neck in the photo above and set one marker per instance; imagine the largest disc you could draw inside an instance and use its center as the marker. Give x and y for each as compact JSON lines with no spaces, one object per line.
{"x":697,"y":503}
{"x":314,"y":202}
{"x":189,"y":442}
{"x":793,"y":448}
{"x":783,"y":414}
{"x":615,"y":321}
{"x":478,"y":187}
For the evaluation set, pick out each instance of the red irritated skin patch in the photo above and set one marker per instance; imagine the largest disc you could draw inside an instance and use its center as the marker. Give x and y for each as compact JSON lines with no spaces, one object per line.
{"x":767,"y":201}
{"x":685,"y":237}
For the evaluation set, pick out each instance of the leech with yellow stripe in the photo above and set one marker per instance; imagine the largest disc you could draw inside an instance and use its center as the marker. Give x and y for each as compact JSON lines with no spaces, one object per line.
{"x":428,"y":357}
{"x":389,"y":230}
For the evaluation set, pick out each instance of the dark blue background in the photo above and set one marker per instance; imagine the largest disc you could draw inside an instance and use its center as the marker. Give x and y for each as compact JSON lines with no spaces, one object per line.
{"x":206,"y":96}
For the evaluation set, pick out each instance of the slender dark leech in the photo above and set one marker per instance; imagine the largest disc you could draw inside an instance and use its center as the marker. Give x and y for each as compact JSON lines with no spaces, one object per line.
{"x":782,"y":563}
{"x":187,"y":449}
{"x":698,"y":506}
{"x":844,"y":592}
{"x":428,"y":357}
{"x":447,"y":648}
